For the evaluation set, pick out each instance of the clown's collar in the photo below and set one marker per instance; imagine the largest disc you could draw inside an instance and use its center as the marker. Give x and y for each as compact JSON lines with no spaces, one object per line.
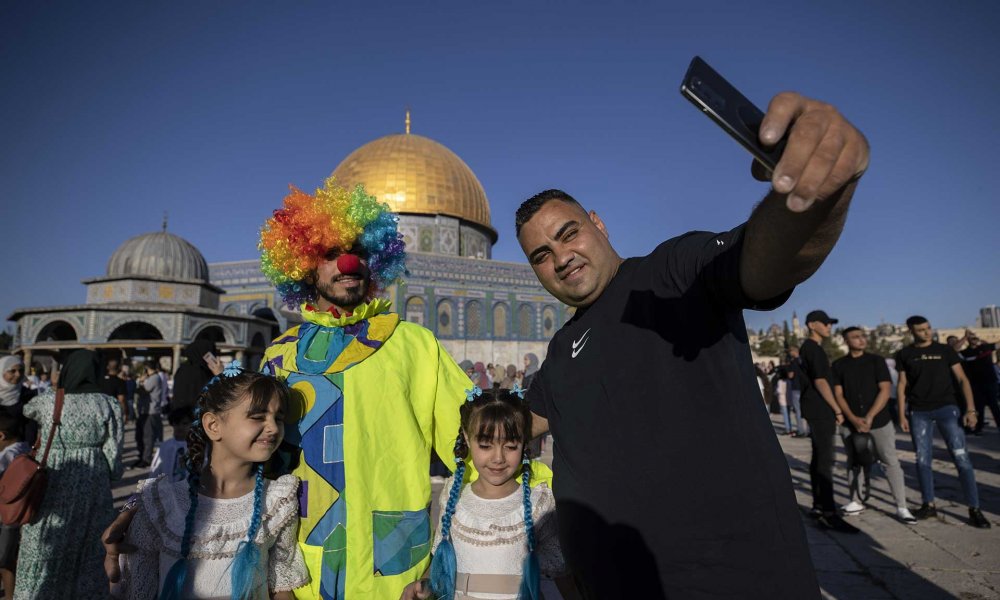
{"x":361,"y":312}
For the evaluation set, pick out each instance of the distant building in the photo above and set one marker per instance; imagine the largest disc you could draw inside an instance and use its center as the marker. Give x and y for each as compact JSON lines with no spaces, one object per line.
{"x":989,"y":316}
{"x":154,"y":299}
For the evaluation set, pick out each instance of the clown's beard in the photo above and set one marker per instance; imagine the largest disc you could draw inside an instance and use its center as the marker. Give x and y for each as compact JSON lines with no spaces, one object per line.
{"x":342,"y":298}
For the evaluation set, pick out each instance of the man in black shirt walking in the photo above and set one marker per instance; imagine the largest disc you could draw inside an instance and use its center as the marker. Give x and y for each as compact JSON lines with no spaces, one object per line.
{"x":926,"y":371}
{"x":669,"y":480}
{"x":861,"y":383}
{"x":824,"y":415}
{"x":977,"y":360}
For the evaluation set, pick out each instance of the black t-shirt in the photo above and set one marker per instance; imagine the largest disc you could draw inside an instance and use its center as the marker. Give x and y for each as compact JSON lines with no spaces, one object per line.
{"x":815,"y":365}
{"x":113,"y":386}
{"x":929,"y":383}
{"x":860,"y":378}
{"x":669,"y":480}
{"x":978,"y":365}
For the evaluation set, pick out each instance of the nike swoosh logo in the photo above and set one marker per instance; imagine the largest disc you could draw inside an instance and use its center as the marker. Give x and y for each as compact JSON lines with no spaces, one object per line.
{"x":579,"y":344}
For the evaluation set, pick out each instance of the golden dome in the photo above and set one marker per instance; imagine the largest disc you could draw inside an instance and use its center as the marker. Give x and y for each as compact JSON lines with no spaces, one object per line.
{"x":414,"y":174}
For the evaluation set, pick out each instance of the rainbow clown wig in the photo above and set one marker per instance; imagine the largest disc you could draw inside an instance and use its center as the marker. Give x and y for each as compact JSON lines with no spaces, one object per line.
{"x":306,"y":227}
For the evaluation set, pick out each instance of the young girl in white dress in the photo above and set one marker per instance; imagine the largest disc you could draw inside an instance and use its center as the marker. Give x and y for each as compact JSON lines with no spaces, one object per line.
{"x":226,"y":532}
{"x":498,"y":534}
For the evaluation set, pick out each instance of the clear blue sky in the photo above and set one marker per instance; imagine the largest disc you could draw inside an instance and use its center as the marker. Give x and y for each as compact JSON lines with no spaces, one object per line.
{"x":112,"y":113}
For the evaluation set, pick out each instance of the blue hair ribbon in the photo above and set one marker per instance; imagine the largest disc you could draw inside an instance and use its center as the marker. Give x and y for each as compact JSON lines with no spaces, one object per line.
{"x":517,"y":390}
{"x":474,"y":393}
{"x":232,"y":370}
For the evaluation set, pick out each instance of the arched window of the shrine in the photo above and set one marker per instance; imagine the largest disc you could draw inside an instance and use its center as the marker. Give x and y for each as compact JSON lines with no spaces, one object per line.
{"x":474,"y":319}
{"x":135,"y":330}
{"x":445,"y":319}
{"x":525,"y":321}
{"x":56,"y":331}
{"x":416,"y":310}
{"x":501,"y":320}
{"x":548,"y":321}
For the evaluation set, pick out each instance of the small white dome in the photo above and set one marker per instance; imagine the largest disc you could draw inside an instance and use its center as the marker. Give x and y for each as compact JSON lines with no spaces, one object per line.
{"x":159,"y":254}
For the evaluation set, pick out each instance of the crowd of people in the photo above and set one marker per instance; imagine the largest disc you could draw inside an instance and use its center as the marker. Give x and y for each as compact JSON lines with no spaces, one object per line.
{"x":863,"y":397}
{"x":308,"y":476}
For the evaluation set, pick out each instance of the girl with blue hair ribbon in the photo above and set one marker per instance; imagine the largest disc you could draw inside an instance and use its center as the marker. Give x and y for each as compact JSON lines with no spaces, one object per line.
{"x":497,"y":534}
{"x":225,"y":532}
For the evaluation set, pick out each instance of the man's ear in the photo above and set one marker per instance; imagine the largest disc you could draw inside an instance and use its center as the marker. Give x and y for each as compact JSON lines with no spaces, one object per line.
{"x":212,"y":424}
{"x":596,"y":220}
{"x":3,"y":436}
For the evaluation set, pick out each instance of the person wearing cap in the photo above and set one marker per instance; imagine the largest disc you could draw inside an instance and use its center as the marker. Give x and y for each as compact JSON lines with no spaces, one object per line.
{"x":861,"y":384}
{"x":928,"y":372}
{"x":977,"y":360}
{"x":824,"y":415}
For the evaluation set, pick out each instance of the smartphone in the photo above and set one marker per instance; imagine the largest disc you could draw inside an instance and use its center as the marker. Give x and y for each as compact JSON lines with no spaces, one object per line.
{"x":730,"y":109}
{"x":210,"y":359}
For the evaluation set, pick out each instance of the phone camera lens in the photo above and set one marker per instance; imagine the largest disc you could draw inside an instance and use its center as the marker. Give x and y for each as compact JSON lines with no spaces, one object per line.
{"x":695,"y":82}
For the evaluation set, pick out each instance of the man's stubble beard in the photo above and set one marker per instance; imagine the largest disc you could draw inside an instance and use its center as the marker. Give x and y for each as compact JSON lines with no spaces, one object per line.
{"x":348,"y":298}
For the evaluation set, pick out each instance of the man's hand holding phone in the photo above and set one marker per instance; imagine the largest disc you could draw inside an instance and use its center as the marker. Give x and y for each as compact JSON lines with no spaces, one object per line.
{"x":214,"y":364}
{"x":824,"y":151}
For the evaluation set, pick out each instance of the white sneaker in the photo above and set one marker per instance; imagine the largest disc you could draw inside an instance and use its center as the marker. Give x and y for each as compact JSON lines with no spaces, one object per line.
{"x":853,"y":508}
{"x":905,"y":515}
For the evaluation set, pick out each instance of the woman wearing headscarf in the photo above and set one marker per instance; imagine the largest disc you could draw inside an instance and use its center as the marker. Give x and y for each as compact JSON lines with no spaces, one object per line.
{"x":13,"y":393}
{"x":530,"y":368}
{"x":509,"y":377}
{"x":61,"y":554}
{"x":193,"y":374}
{"x":480,"y":378}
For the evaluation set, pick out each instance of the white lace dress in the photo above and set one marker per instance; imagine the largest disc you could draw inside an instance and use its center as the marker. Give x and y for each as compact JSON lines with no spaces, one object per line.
{"x":220,"y":525}
{"x":489,"y":536}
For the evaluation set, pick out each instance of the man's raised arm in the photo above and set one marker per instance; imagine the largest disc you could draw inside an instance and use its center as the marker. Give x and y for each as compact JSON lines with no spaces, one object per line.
{"x":794,"y":228}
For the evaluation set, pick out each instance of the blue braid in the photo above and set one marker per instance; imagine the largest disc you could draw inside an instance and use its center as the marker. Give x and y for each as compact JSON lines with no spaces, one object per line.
{"x":173,"y":584}
{"x":444,"y":565}
{"x":530,"y":570}
{"x":247,"y":571}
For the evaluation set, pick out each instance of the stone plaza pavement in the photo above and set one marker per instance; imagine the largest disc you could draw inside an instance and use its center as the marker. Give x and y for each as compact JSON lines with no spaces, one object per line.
{"x":940,"y":558}
{"x":937,"y":558}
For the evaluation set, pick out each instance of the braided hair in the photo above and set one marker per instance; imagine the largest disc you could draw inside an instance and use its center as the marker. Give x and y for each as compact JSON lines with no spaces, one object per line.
{"x":485,"y":416}
{"x":220,"y":395}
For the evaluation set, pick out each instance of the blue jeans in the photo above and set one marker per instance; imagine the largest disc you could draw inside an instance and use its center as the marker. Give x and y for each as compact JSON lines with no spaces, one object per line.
{"x":784,"y":415}
{"x":946,"y":418}
{"x":793,"y":401}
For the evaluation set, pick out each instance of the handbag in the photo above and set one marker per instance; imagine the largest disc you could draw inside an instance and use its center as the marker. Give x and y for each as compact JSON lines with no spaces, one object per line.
{"x":22,"y":486}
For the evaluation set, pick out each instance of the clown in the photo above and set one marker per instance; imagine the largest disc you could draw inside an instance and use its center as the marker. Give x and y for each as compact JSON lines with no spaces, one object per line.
{"x":373,"y":394}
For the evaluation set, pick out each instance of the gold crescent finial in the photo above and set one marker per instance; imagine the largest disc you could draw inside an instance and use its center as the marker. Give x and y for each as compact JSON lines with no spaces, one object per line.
{"x":407,"y":119}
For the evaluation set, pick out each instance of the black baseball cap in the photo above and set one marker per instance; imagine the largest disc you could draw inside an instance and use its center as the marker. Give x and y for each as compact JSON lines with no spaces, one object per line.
{"x":820,"y":316}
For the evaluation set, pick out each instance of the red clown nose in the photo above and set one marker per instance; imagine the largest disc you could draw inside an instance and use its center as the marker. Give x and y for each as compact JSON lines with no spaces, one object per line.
{"x":348,"y":264}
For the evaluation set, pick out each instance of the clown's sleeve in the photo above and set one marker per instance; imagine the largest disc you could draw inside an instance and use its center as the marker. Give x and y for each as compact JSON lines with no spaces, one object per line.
{"x":448,"y":398}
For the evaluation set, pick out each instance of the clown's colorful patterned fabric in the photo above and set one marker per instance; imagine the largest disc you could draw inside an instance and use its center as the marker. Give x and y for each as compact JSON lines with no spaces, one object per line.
{"x":372,"y":396}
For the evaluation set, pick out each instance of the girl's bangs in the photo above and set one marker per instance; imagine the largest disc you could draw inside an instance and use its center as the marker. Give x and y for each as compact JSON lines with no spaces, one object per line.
{"x":499,"y":420}
{"x":264,"y":389}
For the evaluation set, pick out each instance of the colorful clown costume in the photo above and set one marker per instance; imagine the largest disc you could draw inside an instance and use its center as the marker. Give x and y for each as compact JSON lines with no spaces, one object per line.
{"x":371,"y":397}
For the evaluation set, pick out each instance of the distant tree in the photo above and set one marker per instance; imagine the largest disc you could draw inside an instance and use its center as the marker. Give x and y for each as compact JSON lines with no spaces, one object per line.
{"x":770,"y":347}
{"x":832,"y":349}
{"x":881,"y":345}
{"x":6,"y":340}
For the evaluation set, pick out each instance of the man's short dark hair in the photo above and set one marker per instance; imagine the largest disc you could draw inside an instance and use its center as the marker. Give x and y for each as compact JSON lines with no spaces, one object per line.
{"x":530,"y":206}
{"x":849,"y":330}
{"x":915,"y":320}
